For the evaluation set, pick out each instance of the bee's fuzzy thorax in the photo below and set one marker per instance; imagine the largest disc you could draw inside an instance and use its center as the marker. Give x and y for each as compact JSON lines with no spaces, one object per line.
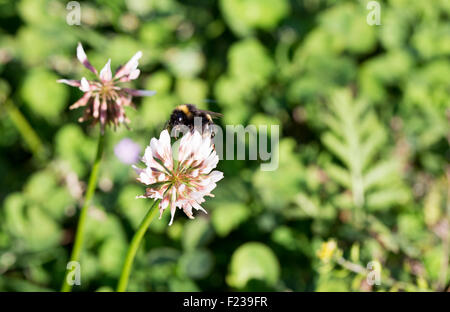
{"x":185,"y":110}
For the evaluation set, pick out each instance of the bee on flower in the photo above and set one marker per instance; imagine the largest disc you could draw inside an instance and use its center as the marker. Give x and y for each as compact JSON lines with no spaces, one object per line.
{"x":104,"y":98}
{"x":180,"y":176}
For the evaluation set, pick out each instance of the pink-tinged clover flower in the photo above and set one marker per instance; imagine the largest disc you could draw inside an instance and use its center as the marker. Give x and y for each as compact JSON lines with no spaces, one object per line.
{"x":181,"y":176}
{"x":104,"y":98}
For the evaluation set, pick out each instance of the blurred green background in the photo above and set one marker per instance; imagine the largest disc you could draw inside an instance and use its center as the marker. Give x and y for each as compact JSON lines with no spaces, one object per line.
{"x":364,"y":115}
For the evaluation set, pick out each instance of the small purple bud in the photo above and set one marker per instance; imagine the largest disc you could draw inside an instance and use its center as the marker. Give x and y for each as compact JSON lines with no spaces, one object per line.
{"x":127,"y":151}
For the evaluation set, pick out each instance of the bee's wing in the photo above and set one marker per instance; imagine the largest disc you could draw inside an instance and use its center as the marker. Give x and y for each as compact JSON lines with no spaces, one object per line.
{"x":212,"y":114}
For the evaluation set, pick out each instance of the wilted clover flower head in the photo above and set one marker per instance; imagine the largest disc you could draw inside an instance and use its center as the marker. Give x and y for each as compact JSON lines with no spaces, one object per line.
{"x":104,"y":98}
{"x":180,"y":176}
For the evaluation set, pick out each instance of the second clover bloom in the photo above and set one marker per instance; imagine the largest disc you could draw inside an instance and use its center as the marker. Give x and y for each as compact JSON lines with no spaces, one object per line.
{"x":104,"y":98}
{"x":181,"y":176}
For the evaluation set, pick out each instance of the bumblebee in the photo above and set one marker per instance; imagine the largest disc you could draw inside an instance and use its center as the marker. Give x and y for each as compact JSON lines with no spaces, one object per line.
{"x":189,"y":115}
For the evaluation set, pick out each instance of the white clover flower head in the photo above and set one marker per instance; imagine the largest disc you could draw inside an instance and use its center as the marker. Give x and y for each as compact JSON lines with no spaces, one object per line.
{"x":181,"y":176}
{"x":104,"y":98}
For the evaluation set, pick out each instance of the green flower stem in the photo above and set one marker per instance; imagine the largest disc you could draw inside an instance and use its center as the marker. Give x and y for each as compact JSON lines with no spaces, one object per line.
{"x":27,"y":132}
{"x":135,"y":242}
{"x":388,"y":281}
{"x":79,"y":237}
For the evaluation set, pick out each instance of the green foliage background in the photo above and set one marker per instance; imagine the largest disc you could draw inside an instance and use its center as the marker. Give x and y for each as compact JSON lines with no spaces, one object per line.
{"x":364,"y":115}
